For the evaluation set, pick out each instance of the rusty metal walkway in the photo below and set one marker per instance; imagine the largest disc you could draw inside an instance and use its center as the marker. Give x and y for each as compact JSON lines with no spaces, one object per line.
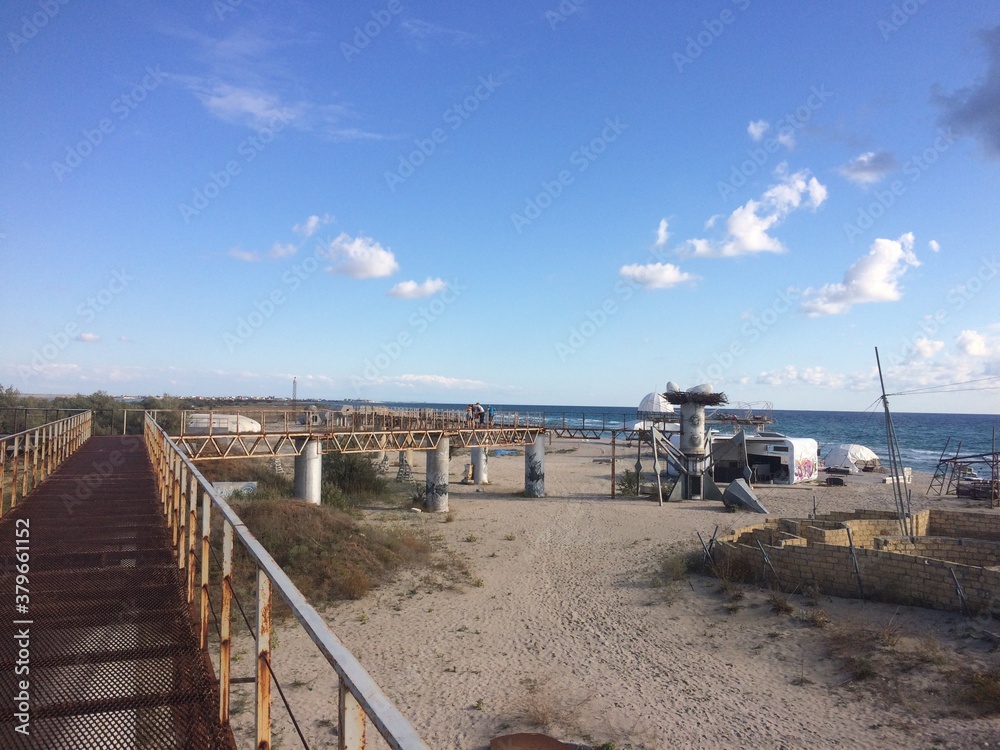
{"x":101,"y":651}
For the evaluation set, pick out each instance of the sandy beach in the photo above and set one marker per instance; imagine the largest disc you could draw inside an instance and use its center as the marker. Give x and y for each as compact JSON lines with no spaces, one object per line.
{"x":547,"y":615}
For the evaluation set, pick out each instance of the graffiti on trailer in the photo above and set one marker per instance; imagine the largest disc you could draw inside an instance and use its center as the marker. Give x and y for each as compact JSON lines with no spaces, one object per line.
{"x":805,"y":469}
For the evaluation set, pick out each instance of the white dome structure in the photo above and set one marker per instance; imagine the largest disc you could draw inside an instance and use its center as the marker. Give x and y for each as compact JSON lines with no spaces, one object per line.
{"x":655,"y":403}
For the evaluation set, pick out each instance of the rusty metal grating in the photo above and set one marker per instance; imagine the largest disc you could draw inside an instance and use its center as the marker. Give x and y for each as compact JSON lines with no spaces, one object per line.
{"x":114,"y":658}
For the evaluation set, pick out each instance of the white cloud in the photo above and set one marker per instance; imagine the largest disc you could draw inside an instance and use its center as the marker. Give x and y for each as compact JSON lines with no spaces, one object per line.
{"x":662,"y":233}
{"x":748,"y":227}
{"x":872,"y":278}
{"x":247,"y":256}
{"x":310,"y":226}
{"x":869,"y":167}
{"x":279,"y":250}
{"x":812,"y":376}
{"x":927,"y":348}
{"x":757,"y":128}
{"x":439,"y":380}
{"x":655,"y":275}
{"x":361,"y":258}
{"x":88,"y":338}
{"x":424,"y":30}
{"x":254,"y":107}
{"x":935,"y":246}
{"x":973,"y":343}
{"x":929,"y":364}
{"x":413,"y":290}
{"x":244,"y":106}
{"x":435,"y":381}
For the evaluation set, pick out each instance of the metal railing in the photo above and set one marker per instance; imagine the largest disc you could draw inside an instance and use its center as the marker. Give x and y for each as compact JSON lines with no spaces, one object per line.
{"x":32,"y":455}
{"x":219,"y":422}
{"x":104,"y":421}
{"x":183,"y":492}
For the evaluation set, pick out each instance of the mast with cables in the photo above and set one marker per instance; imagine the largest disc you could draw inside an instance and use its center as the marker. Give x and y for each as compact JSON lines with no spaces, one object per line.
{"x":898,"y":481}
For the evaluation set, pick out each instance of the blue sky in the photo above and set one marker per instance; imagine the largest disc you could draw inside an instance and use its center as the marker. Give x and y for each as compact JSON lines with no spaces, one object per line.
{"x":565,"y":203}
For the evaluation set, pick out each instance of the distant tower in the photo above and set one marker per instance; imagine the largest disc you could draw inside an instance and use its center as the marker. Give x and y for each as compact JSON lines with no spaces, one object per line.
{"x":295,"y":391}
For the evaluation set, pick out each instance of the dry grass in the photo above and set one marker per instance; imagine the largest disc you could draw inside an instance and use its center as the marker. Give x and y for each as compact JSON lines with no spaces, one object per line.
{"x":817,"y":617}
{"x":980,"y":690}
{"x":780,"y":603}
{"x":673,"y":568}
{"x":541,"y":706}
{"x":325,"y":552}
{"x":925,"y":673}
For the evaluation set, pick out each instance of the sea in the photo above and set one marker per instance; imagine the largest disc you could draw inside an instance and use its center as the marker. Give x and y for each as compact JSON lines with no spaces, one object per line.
{"x":922,"y":438}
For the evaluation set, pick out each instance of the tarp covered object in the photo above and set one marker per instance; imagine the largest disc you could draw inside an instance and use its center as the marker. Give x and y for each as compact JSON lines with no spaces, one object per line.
{"x":852,"y":456}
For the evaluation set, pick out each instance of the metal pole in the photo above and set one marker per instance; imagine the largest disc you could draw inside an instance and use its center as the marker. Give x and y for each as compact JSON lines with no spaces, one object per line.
{"x":206,"y":531}
{"x":854,"y":559}
{"x":263,"y":712}
{"x":614,"y":434}
{"x":351,"y":724}
{"x":225,"y":627}
{"x":192,"y":536}
{"x":13,"y":475}
{"x":902,"y":506}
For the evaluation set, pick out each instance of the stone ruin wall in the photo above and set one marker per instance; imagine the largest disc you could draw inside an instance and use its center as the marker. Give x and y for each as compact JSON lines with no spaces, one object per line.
{"x":816,"y":553}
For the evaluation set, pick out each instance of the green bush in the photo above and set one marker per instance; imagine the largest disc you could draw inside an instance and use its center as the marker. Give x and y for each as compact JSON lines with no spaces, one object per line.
{"x":349,"y":478}
{"x":628,"y":483}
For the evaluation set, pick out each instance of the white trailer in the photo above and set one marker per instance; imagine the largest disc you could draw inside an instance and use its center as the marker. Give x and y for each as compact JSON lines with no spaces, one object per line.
{"x":768,"y":458}
{"x":219,"y":424}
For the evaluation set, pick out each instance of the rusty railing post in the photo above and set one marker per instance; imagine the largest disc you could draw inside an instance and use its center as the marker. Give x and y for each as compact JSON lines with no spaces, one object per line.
{"x":24,"y":472}
{"x":225,"y":626}
{"x":161,"y":473}
{"x":50,"y":452}
{"x":13,"y":473}
{"x":206,"y":530}
{"x":36,"y":476}
{"x":351,"y":721}
{"x":175,"y":482}
{"x":182,"y":519}
{"x":192,"y":523}
{"x":263,"y":712}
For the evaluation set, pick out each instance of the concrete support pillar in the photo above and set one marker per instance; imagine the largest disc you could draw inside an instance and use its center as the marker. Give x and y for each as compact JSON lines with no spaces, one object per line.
{"x":534,"y":468}
{"x":436,"y":487}
{"x":309,"y":472}
{"x":480,"y":466}
{"x":410,"y":456}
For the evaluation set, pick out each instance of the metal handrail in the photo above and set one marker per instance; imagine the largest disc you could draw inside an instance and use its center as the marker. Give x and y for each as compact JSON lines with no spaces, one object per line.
{"x":232,"y":422}
{"x":180,"y":484}
{"x":35,"y":453}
